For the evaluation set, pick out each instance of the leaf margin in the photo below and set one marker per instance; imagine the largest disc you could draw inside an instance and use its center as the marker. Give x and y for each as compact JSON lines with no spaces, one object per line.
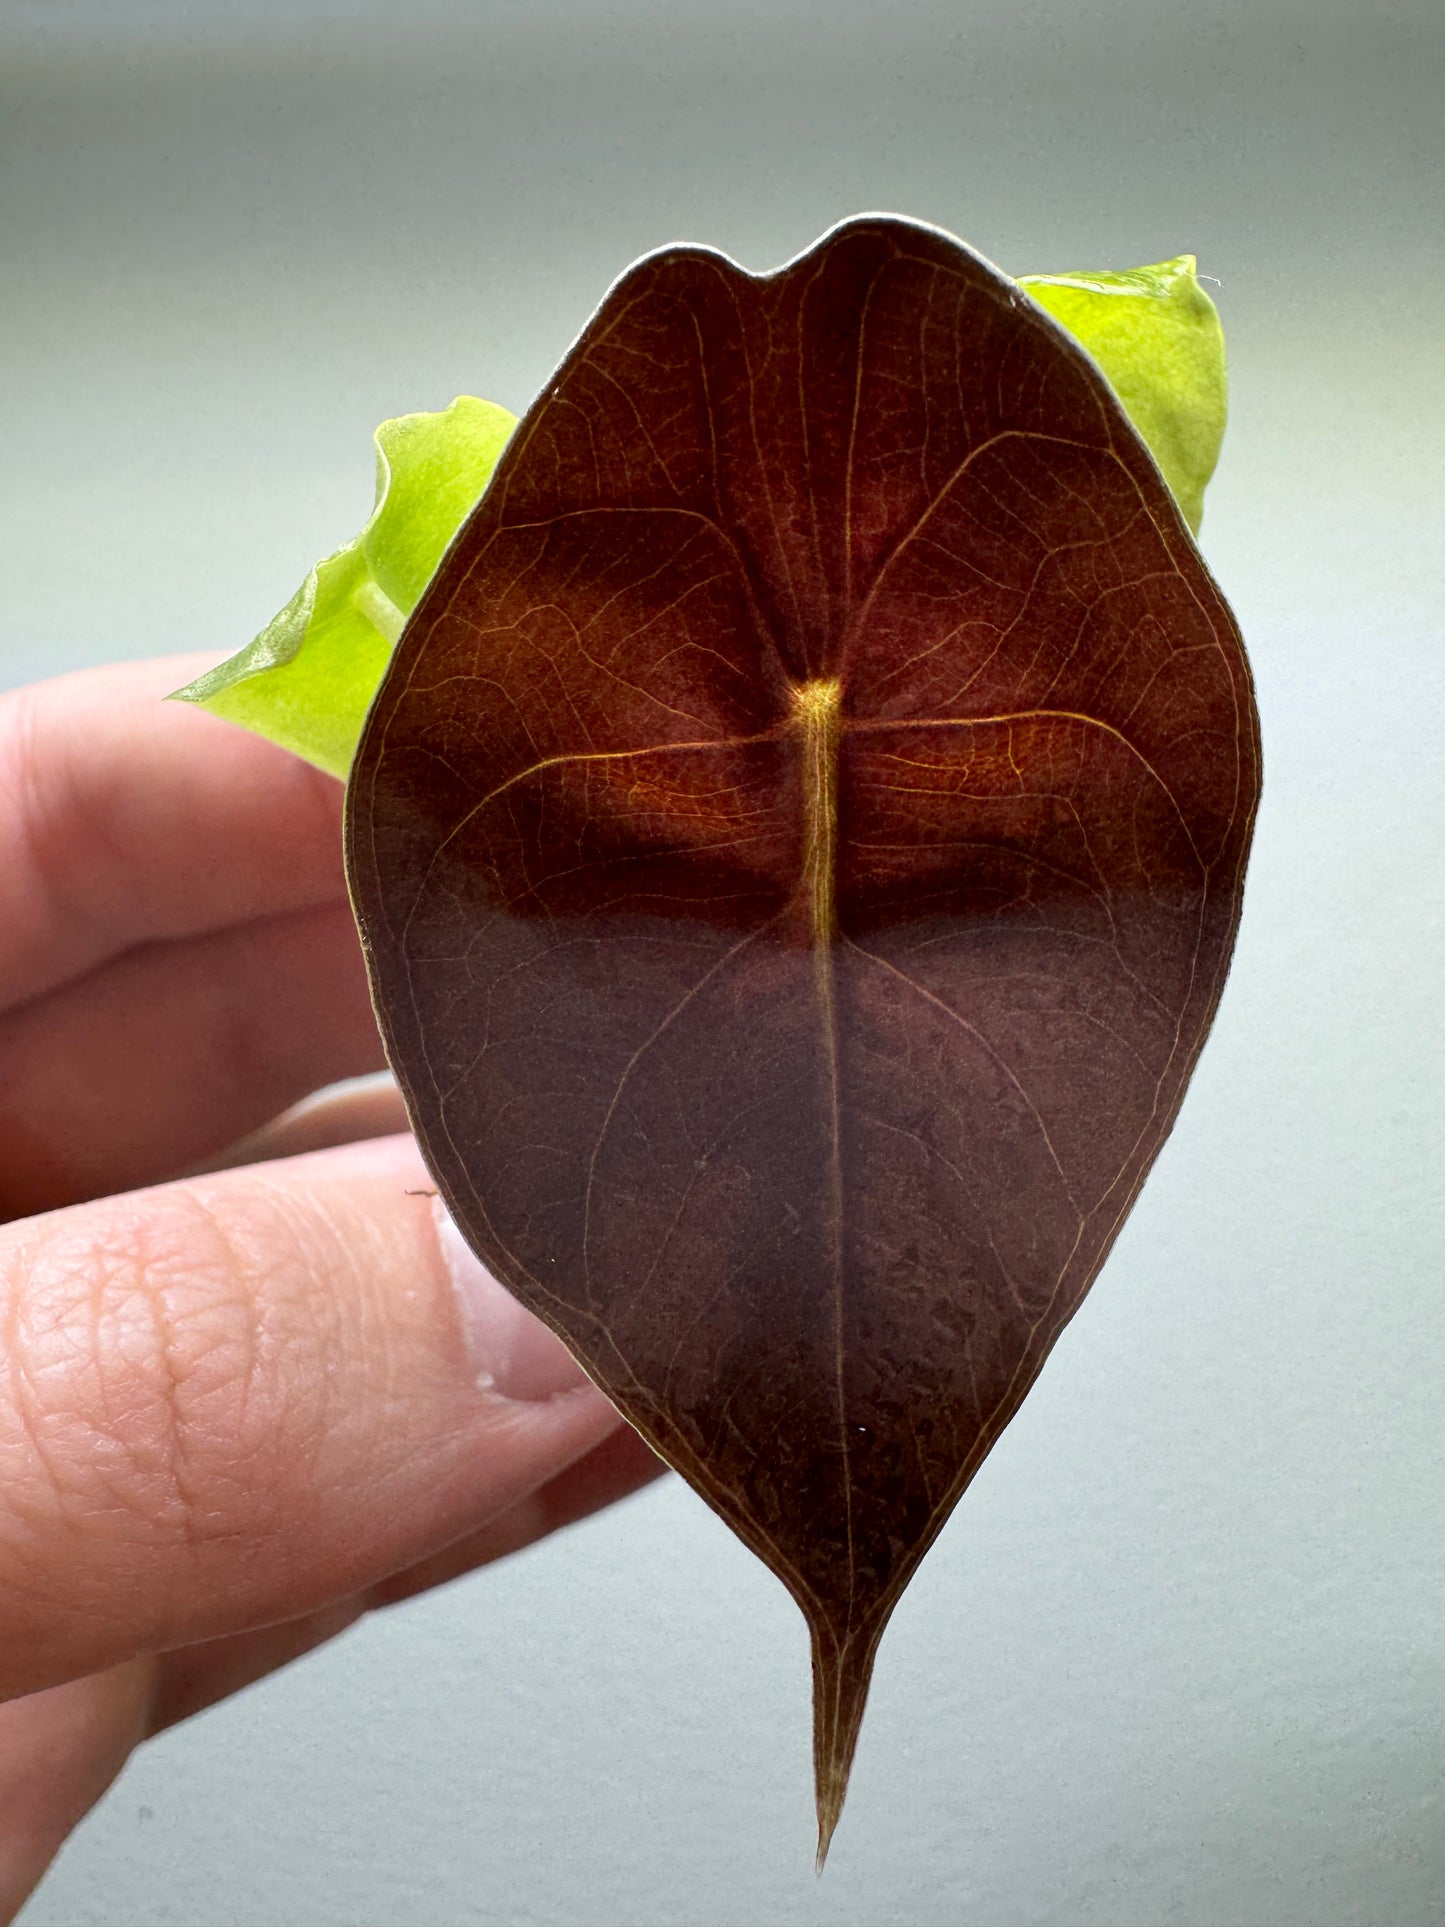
{"x":307,"y":680}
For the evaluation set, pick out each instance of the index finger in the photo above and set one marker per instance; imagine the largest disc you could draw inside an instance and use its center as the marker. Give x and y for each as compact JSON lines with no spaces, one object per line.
{"x":126,"y":820}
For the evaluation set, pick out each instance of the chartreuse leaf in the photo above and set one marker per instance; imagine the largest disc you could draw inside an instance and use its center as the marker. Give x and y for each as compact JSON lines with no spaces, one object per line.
{"x":308,"y":679}
{"x":1156,"y":335}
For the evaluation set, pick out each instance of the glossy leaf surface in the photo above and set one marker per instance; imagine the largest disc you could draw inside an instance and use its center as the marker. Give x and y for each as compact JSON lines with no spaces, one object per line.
{"x":798,"y":846}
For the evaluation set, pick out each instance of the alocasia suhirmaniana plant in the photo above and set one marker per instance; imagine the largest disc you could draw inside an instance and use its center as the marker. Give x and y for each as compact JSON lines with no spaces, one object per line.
{"x":798,"y":843}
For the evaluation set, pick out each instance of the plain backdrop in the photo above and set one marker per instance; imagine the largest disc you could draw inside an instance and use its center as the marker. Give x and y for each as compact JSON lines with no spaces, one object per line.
{"x":1180,"y":1656}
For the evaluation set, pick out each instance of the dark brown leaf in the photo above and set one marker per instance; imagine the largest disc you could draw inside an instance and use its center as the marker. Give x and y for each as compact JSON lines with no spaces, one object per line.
{"x":798,"y":845}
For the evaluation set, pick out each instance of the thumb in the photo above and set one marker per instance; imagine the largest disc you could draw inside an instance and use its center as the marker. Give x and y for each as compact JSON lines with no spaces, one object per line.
{"x":227,"y":1401}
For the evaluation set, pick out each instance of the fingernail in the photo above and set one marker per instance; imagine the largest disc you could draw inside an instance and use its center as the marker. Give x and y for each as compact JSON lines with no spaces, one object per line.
{"x":514,"y":1353}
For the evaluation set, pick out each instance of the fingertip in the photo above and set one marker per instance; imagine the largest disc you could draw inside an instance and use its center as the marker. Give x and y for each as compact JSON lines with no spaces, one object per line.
{"x":515,"y":1355}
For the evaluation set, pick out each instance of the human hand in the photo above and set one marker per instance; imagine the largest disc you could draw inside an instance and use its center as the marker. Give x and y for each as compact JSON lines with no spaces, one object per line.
{"x":239,"y":1409}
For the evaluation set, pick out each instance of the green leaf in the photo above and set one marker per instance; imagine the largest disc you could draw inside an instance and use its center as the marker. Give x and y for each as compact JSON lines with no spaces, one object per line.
{"x":308,"y":679}
{"x":1156,"y":335}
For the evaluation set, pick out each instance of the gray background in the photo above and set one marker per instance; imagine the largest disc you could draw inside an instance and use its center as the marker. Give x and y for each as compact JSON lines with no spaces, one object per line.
{"x":1181,"y":1654}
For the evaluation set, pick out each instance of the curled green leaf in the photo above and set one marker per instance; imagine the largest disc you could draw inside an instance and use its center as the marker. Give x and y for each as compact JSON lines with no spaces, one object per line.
{"x":1156,"y":335}
{"x":307,"y":680}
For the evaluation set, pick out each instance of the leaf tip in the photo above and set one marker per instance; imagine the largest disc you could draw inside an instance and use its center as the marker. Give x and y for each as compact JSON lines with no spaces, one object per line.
{"x":828,"y":1818}
{"x":842,"y":1671}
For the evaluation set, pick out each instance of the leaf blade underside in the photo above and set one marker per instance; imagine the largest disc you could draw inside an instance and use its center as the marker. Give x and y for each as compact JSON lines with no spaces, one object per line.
{"x":307,"y":680}
{"x":798,"y":847}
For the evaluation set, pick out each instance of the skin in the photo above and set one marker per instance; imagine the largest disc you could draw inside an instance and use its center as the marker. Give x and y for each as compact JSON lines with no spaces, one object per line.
{"x":239,"y":1396}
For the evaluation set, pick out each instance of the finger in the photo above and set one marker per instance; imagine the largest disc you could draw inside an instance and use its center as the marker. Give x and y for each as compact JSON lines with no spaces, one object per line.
{"x":190,"y":1680}
{"x":126,"y":820}
{"x":233,"y":1400}
{"x":366,"y":1107}
{"x":619,"y":1466}
{"x":186,"y":1682}
{"x":156,"y":1061}
{"x":59,"y":1751}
